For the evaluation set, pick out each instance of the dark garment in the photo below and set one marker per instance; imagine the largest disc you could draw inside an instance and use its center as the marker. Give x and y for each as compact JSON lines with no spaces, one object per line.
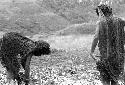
{"x":11,"y":45}
{"x":105,"y":74}
{"x":111,"y":47}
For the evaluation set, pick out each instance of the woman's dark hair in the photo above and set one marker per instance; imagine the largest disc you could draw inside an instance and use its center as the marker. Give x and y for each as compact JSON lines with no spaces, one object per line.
{"x":107,"y":10}
{"x":42,"y":48}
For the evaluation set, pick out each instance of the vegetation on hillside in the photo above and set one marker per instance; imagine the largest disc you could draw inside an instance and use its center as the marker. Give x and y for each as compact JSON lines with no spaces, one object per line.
{"x":49,"y":15}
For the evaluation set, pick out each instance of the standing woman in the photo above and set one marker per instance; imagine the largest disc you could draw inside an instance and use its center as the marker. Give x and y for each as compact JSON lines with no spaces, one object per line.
{"x":109,"y":37}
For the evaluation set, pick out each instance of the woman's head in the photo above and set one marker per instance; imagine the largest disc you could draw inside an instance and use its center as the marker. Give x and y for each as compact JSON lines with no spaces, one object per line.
{"x":42,"y":48}
{"x":105,"y":9}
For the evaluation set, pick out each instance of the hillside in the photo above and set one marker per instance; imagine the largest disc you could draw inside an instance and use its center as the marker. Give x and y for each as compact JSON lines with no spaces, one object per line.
{"x":78,"y":29}
{"x":31,"y":18}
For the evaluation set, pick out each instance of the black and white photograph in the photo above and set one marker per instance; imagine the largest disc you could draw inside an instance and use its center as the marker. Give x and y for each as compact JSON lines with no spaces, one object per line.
{"x":62,"y":42}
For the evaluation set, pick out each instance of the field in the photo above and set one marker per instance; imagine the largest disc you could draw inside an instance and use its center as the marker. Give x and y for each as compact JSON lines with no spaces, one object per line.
{"x":69,"y":31}
{"x":70,"y":64}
